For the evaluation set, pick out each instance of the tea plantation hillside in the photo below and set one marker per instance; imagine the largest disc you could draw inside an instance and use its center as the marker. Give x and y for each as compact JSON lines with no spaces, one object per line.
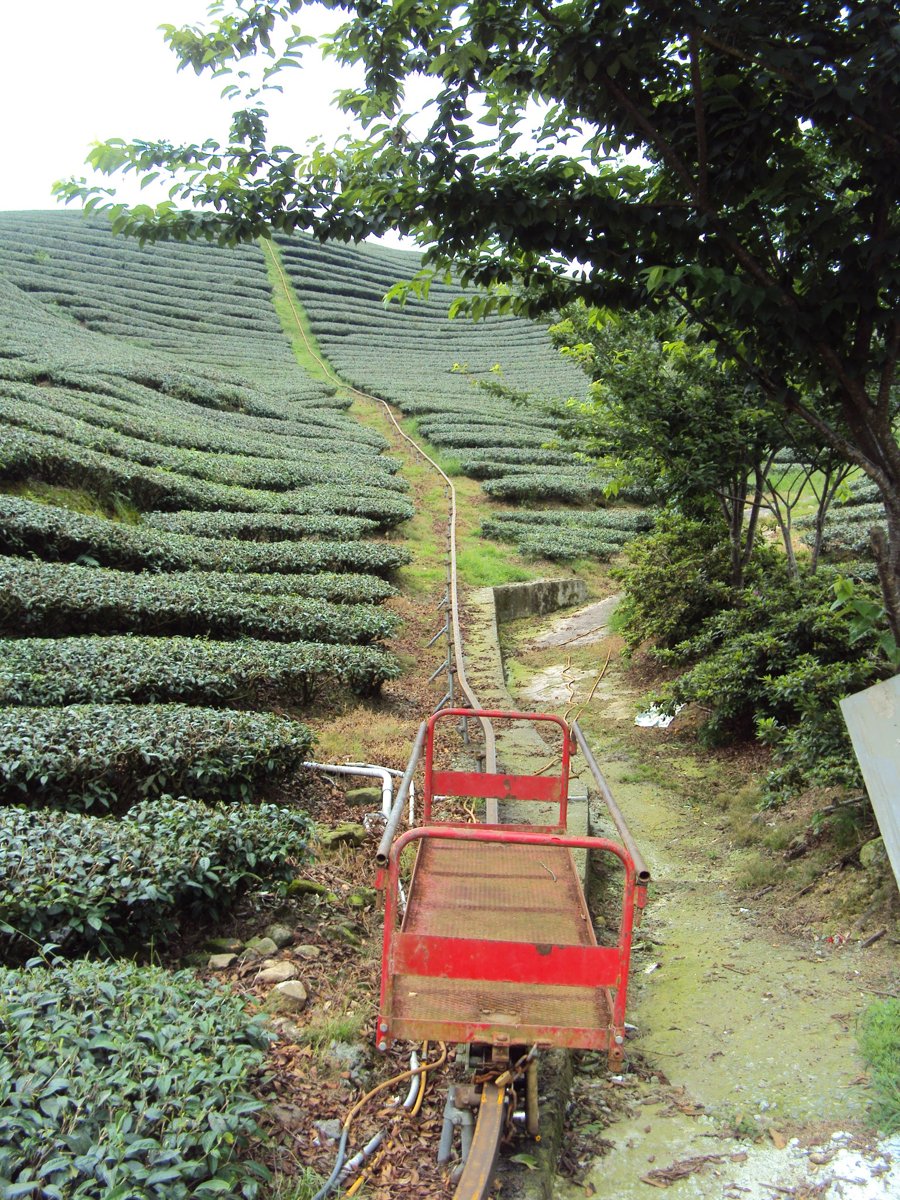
{"x":431,"y":367}
{"x":190,"y":537}
{"x":196,"y":539}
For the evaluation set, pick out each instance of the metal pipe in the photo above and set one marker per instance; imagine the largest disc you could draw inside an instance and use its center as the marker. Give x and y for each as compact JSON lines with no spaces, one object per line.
{"x":642,"y":874}
{"x":373,"y":1143}
{"x":396,"y":775}
{"x":384,"y":846}
{"x":366,"y":771}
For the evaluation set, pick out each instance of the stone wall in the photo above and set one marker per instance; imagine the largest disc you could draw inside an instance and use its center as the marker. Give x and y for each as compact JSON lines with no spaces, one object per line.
{"x":514,"y":600}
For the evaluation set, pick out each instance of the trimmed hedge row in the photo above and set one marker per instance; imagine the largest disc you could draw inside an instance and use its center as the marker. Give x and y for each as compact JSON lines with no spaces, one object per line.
{"x":148,"y":670}
{"x":563,"y":535}
{"x":626,"y":521}
{"x":125,"y":1081}
{"x":25,"y":455}
{"x":121,"y":405}
{"x":231,"y":470}
{"x":61,"y":598}
{"x":549,"y":485}
{"x":59,"y":534}
{"x":87,"y":882}
{"x":108,"y":755}
{"x":261,"y":527}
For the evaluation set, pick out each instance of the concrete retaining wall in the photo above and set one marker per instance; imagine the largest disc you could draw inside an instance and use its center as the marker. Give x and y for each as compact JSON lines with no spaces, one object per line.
{"x":514,"y":600}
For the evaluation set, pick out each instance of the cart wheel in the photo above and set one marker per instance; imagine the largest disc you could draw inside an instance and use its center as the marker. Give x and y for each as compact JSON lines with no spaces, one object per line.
{"x":532,"y":1111}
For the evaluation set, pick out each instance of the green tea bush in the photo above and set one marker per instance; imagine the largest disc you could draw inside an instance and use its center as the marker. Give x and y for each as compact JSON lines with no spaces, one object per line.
{"x":119,"y":1081}
{"x":776,"y":662}
{"x":60,"y":598}
{"x":58,"y":533}
{"x":109,"y":755}
{"x":549,"y":485}
{"x":260,"y":527}
{"x":86,"y":882}
{"x":155,"y":670}
{"x":26,"y":455}
{"x":28,"y":411}
{"x":565,"y":535}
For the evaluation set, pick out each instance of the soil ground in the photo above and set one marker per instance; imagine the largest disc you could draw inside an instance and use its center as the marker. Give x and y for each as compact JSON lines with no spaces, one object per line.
{"x":744,"y":1061}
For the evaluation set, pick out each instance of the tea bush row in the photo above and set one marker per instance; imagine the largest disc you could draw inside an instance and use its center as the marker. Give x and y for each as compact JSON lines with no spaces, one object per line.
{"x":57,"y":533}
{"x":103,"y":281}
{"x":82,"y":756}
{"x":154,"y":670}
{"x":261,"y":527}
{"x":564,"y":535}
{"x":608,"y":521}
{"x":26,"y":455}
{"x":142,"y":412}
{"x":44,"y":599}
{"x":548,"y":485}
{"x":123,"y":1081}
{"x":87,"y":883}
{"x":233,"y":470}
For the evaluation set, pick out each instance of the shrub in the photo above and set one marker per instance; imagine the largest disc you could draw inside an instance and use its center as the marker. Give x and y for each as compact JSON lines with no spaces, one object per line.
{"x":779,"y":661}
{"x":879,"y":1040}
{"x":549,"y":485}
{"x":84,"y":882}
{"x":27,"y":455}
{"x":58,"y":533}
{"x":674,"y":578}
{"x":260,"y":527}
{"x":148,"y":670}
{"x":108,"y":755}
{"x":125,"y":1081}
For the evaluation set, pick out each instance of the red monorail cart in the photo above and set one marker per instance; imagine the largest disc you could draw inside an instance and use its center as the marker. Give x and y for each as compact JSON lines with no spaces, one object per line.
{"x":495,"y":944}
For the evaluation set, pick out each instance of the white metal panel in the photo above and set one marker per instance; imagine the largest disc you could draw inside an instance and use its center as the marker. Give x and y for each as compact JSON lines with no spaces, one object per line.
{"x":873,"y":719}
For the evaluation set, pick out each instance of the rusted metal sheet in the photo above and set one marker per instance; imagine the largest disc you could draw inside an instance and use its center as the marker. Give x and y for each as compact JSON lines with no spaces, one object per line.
{"x":873,"y":720}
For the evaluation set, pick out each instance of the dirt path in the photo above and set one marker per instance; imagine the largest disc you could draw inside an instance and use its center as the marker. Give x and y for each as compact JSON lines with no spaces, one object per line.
{"x":751,"y":1072}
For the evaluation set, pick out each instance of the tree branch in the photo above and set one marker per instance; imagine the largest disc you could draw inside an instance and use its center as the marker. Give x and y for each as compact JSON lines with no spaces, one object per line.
{"x":700,"y":124}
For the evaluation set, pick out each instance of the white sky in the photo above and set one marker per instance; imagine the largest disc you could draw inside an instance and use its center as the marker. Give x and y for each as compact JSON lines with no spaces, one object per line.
{"x":73,"y":72}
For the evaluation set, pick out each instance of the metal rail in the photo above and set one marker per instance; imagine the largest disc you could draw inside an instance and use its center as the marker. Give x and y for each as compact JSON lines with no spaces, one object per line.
{"x":475,"y":1181}
{"x":640,"y":867}
{"x":490,"y":747}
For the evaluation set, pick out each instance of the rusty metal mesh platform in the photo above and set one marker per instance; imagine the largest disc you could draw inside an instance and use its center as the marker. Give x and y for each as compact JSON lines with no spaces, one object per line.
{"x":492,"y":891}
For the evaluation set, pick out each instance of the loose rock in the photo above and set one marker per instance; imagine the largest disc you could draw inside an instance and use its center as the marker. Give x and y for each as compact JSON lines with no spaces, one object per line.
{"x":281,"y":935}
{"x":329,"y":1129}
{"x":260,"y":947}
{"x":221,"y":962}
{"x":278,"y":973}
{"x":288,"y":997}
{"x":368,"y":796}
{"x":223,"y":945}
{"x":303,"y":887}
{"x":347,"y":834}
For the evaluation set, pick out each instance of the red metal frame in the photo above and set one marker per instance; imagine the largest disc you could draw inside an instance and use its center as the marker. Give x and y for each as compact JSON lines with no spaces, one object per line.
{"x":549,"y":789}
{"x":420,"y":956}
{"x":523,"y":962}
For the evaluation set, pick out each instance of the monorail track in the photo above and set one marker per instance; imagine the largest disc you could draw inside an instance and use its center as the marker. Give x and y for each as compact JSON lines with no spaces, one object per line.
{"x":495,"y":947}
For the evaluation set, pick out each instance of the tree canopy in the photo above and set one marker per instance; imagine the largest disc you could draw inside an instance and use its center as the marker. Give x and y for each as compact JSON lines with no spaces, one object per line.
{"x":741,"y":160}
